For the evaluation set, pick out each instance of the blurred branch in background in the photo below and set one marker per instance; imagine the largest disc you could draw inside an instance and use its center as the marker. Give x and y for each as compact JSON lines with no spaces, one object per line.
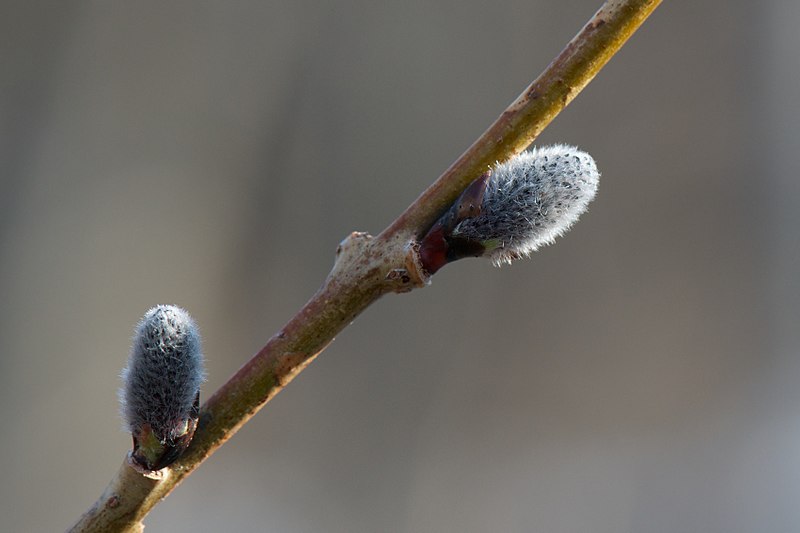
{"x":367,"y":268}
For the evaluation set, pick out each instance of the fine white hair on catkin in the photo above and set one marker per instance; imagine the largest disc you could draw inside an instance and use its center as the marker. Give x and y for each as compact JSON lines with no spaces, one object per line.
{"x":530,"y":200}
{"x":164,"y":372}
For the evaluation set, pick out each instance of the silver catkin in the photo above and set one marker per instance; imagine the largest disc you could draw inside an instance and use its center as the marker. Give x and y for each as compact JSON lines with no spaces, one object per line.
{"x":530,"y":200}
{"x":164,"y":372}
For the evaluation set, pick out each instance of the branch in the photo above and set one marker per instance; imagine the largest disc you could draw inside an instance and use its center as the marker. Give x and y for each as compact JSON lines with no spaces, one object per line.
{"x":368,"y":267}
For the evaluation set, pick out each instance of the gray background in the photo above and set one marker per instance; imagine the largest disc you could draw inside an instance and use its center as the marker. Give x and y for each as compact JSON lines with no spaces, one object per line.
{"x":640,"y":376}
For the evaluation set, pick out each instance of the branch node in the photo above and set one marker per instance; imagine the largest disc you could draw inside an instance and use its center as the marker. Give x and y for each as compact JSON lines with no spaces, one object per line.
{"x":419,"y":277}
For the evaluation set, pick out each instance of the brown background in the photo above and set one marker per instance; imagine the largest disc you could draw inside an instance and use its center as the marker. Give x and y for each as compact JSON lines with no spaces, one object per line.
{"x":640,"y":376}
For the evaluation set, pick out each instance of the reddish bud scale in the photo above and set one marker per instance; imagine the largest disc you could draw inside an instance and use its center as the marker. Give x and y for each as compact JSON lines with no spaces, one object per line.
{"x":439,"y":247}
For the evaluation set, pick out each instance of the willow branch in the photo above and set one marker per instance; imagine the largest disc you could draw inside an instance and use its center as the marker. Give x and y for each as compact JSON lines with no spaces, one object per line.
{"x":367,"y":268}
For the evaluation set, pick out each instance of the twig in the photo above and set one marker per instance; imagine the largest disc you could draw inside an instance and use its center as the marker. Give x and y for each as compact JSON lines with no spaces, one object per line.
{"x":368,"y":267}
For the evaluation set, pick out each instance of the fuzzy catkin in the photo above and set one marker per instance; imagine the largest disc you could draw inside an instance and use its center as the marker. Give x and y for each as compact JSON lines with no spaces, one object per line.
{"x":164,"y":372}
{"x":530,"y":200}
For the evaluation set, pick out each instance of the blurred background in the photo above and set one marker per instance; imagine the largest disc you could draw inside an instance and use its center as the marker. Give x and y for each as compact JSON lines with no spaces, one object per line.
{"x":642,"y":375}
